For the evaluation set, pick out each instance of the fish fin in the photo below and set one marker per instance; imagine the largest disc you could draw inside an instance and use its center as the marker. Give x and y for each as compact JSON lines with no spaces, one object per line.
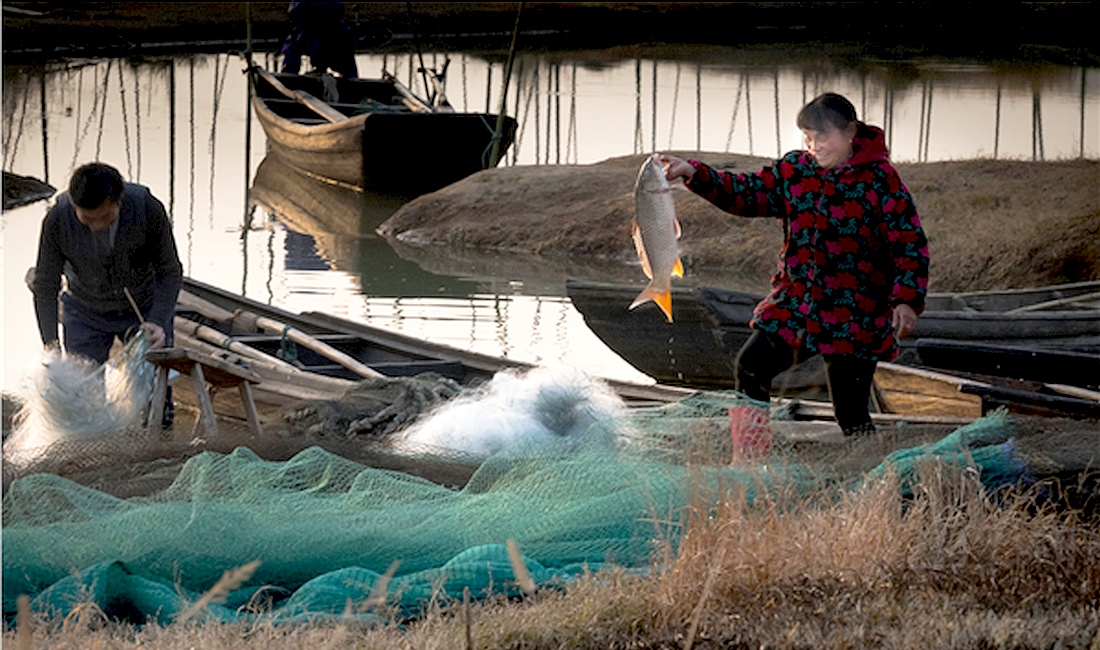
{"x":678,"y":268}
{"x":679,"y":231}
{"x":663,"y":299}
{"x":639,"y":245}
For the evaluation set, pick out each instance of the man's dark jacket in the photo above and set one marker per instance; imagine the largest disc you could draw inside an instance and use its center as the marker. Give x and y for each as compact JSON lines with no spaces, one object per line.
{"x":143,"y":260}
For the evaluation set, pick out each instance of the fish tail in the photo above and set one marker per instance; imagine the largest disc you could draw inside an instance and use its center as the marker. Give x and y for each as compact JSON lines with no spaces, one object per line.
{"x":663,"y":299}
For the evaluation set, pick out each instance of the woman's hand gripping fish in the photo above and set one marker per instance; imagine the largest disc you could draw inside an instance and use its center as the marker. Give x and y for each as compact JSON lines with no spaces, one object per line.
{"x":655,"y":231}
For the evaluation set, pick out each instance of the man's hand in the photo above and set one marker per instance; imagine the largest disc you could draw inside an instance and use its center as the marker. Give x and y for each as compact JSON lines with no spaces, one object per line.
{"x":904,"y":321}
{"x":155,"y":333}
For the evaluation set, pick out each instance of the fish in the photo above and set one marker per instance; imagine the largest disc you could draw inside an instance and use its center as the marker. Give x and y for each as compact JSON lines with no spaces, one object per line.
{"x":655,"y":230}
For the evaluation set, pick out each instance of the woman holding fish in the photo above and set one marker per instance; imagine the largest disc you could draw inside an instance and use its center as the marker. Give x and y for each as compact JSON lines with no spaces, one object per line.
{"x":853,"y":270}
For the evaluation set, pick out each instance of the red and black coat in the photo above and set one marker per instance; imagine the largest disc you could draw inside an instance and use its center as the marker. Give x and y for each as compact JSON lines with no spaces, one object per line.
{"x":853,"y":247}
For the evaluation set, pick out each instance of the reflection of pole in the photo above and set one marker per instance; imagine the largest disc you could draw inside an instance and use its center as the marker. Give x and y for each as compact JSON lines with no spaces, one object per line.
{"x":494,"y":157}
{"x":125,"y":122}
{"x":45,"y":130}
{"x":1036,"y":127}
{"x":248,"y":210}
{"x":572,"y":139}
{"x":736,"y":105}
{"x":863,"y":96}
{"x":549,"y":106}
{"x":1081,"y":154}
{"x":675,"y":100}
{"x":137,"y":119}
{"x":928,"y":121}
{"x":103,"y":110}
{"x":171,"y":139}
{"x":778,"y":138}
{"x":515,"y":111}
{"x":654,"y":132}
{"x":637,"y":105}
{"x":997,"y":124}
{"x":748,"y":112}
{"x":920,"y":130}
{"x":537,"y":85}
{"x":698,"y":108}
{"x":557,"y":115}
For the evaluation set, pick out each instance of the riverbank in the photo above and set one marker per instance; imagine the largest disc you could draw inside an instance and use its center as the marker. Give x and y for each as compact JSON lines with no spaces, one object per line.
{"x":991,"y":224}
{"x":1054,"y":32}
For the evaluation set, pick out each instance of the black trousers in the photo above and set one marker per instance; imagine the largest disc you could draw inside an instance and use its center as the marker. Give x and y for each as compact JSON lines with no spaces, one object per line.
{"x":764,"y":356}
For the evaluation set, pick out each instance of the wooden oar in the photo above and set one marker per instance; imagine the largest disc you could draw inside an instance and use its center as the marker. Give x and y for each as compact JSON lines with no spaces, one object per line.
{"x":304,"y":98}
{"x":272,"y":326}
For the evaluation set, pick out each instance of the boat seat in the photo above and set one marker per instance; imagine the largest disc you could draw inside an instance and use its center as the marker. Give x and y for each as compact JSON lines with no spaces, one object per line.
{"x":204,"y":370}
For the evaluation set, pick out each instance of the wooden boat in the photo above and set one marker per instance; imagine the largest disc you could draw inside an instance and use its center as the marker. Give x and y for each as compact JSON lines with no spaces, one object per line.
{"x":240,"y":330}
{"x":374,"y":134}
{"x":1006,"y":334}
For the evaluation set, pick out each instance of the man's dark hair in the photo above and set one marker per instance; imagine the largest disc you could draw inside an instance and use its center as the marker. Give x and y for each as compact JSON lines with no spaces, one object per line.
{"x":94,"y":183}
{"x":830,"y":108}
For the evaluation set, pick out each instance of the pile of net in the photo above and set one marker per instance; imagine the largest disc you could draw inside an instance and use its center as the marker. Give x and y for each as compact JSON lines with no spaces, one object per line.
{"x":71,"y":402}
{"x":578,"y":481}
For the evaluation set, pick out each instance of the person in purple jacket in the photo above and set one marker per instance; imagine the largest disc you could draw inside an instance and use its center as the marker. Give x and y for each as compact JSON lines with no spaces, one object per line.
{"x":106,"y":237}
{"x":853,"y":271}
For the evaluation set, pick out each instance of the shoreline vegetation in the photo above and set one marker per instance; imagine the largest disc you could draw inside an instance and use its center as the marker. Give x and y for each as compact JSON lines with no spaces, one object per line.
{"x":1059,"y":32}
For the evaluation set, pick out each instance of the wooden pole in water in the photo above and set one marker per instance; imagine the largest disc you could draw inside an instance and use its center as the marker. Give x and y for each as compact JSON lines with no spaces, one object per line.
{"x":416,"y":40}
{"x":494,"y":156}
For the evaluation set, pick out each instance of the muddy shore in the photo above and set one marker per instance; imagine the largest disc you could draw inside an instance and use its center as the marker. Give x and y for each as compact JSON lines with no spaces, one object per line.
{"x":991,"y":224}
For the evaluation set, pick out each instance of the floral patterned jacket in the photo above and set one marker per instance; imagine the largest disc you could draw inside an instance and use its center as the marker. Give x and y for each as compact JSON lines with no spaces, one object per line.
{"x":853,"y":247}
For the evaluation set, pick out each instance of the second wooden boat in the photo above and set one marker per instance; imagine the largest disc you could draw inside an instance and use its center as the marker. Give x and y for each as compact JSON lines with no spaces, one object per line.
{"x":373,"y":134}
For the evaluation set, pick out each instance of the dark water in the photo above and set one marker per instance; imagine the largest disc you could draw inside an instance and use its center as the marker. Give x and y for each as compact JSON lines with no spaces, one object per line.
{"x":181,"y":125}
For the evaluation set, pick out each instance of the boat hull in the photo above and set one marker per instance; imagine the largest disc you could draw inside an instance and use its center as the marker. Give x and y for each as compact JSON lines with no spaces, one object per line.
{"x":710,"y":325}
{"x":393,"y":152}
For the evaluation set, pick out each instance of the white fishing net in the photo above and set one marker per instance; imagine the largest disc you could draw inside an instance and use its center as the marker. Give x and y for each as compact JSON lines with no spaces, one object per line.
{"x":67,"y":398}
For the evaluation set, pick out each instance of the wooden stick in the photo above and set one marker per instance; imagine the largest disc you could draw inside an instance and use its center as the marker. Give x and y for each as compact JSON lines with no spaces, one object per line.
{"x":273,"y":326}
{"x":320,"y":347}
{"x":133,"y":304}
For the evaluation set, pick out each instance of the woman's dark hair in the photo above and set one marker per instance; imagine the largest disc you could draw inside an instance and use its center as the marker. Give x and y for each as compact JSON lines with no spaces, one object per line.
{"x":94,"y":183}
{"x":834,"y":109}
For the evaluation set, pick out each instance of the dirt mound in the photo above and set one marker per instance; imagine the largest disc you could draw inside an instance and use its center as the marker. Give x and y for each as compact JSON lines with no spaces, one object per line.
{"x":991,"y":224}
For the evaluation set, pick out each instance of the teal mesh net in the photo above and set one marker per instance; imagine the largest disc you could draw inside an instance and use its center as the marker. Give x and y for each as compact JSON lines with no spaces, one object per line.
{"x":326,"y":529}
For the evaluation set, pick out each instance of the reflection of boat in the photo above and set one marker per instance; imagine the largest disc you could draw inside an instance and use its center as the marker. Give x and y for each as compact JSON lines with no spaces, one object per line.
{"x":710,"y":325}
{"x":375,"y":136}
{"x":341,"y":222}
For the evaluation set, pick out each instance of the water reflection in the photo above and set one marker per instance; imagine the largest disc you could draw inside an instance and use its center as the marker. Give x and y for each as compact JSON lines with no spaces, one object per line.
{"x":181,"y":125}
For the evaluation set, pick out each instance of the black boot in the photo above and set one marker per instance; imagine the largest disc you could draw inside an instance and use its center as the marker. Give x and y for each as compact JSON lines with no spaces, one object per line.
{"x":860,"y":430}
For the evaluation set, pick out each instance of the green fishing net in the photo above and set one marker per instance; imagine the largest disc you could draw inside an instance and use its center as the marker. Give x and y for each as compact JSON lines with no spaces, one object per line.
{"x":326,"y":529}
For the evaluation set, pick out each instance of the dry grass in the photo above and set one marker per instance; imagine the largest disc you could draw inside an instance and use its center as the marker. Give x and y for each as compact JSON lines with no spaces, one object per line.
{"x":951,"y":568}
